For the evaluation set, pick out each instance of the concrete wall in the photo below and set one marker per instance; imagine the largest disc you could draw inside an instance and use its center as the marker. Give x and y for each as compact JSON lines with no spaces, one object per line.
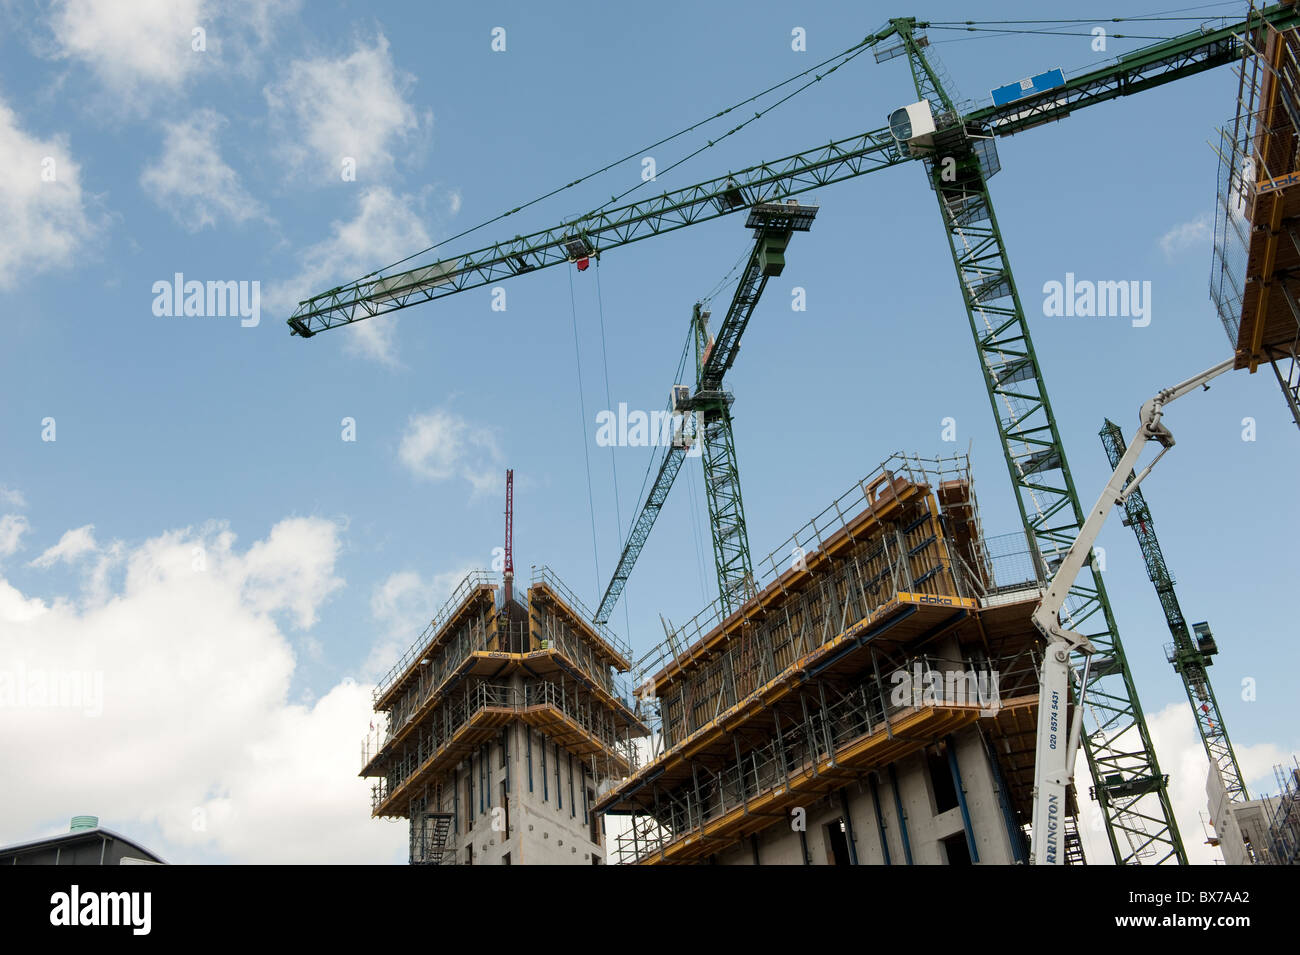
{"x":1235,"y":824}
{"x":546,"y":827}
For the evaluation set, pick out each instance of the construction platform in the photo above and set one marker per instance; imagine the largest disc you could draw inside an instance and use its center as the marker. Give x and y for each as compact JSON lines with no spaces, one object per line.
{"x":794,"y":700}
{"x":1257,"y":240}
{"x":492,"y":679}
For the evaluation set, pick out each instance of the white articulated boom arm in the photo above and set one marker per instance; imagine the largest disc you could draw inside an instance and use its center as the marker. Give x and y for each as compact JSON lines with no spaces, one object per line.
{"x":1056,"y":750}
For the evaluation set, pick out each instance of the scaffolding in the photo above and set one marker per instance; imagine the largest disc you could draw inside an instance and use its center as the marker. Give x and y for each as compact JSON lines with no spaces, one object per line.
{"x":468,"y":638}
{"x":1256,"y":260}
{"x":565,"y":713}
{"x":795,"y":692}
{"x":472,"y":581}
{"x":482,"y":665}
{"x":1282,"y":840}
{"x":985,"y":567}
{"x":841,"y":731}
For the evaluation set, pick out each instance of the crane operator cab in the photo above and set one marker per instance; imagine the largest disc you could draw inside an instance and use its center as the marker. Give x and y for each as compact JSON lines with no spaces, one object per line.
{"x":913,"y":126}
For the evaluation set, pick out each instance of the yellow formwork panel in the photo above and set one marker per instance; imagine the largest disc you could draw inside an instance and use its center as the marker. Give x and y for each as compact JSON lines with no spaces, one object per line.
{"x":930,"y":610}
{"x":621,"y":663}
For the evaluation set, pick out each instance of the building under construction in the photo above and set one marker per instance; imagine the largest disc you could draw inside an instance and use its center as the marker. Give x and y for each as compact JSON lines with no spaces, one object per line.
{"x":499,"y":726}
{"x":875,"y":703}
{"x":872,"y":697}
{"x":1255,"y":281}
{"x":1263,"y":831}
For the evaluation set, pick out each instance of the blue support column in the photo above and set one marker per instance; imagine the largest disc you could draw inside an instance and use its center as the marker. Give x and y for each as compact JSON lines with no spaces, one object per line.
{"x":961,"y":799}
{"x":902,"y":820}
{"x":880,"y":820}
{"x":1014,"y":833}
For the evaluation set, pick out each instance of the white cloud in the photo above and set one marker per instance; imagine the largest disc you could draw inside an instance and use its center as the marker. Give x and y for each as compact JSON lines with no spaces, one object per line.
{"x":11,"y":498}
{"x":145,"y":49}
{"x":401,"y":599}
{"x":351,"y":106}
{"x":194,"y":669}
{"x":12,"y":529}
{"x":387,"y":228}
{"x":16,"y":608}
{"x":260,"y":16}
{"x":72,"y":546}
{"x":41,"y":206}
{"x":296,"y":796}
{"x":192,"y":182}
{"x":1187,"y":235}
{"x":440,"y":444}
{"x":133,"y":46}
{"x":292,"y":569}
{"x":1182,"y":756}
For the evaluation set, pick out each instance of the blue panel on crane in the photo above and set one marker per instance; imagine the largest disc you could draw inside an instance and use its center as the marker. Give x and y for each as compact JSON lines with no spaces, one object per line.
{"x":1027,"y":87}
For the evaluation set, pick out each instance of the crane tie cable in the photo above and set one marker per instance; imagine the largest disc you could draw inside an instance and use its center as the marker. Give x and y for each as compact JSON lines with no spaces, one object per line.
{"x":854,"y":50}
{"x":582,"y":411}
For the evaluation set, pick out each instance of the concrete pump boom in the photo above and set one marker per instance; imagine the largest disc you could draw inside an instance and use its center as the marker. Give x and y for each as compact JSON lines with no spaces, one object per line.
{"x":1056,"y":747}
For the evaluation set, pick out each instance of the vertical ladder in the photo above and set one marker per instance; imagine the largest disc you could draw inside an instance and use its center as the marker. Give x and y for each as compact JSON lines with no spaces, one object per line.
{"x":1073,"y":842}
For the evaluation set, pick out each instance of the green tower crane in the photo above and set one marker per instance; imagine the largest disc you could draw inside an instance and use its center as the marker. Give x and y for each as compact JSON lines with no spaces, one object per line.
{"x":1192,"y":652}
{"x":773,"y":225}
{"x":959,"y":157}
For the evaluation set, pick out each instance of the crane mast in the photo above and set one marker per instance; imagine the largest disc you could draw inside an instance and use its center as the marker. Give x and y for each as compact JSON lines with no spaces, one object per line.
{"x":1193,"y":649}
{"x":709,"y":406}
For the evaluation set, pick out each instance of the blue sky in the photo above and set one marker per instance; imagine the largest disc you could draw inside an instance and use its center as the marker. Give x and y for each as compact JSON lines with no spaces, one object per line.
{"x":188,"y":442}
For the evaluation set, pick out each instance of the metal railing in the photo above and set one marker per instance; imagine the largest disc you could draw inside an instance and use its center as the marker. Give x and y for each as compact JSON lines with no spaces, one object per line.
{"x":475,"y":635}
{"x":554,"y":633}
{"x":1015,"y":565}
{"x":913,"y":556}
{"x":831,"y":724}
{"x":472,"y":580}
{"x":1232,"y":222}
{"x":545,"y":575}
{"x":812,"y":537}
{"x":434,"y":736}
{"x":594,"y":720}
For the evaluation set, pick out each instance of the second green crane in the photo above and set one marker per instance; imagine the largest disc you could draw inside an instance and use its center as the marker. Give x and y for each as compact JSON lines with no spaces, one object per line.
{"x":1193,"y":650}
{"x":773,"y":224}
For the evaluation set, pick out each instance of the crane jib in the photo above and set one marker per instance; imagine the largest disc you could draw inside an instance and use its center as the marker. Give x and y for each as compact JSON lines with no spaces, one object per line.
{"x":600,"y":231}
{"x":1143,"y":69}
